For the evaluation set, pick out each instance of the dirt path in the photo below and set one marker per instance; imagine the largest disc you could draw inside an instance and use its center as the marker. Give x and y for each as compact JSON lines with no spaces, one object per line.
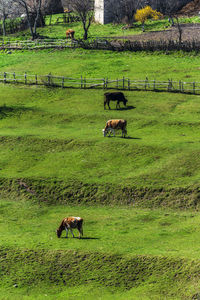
{"x":190,"y":32}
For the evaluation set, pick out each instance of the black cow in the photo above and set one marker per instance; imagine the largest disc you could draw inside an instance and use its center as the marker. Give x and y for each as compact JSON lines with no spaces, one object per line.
{"x":115,"y":96}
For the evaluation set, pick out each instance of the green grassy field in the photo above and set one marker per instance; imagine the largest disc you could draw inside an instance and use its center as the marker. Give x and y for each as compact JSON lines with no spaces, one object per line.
{"x":100,"y":64}
{"x":57,"y":31}
{"x":62,"y":129}
{"x":125,"y":253}
{"x":55,"y":162}
{"x":51,"y":140}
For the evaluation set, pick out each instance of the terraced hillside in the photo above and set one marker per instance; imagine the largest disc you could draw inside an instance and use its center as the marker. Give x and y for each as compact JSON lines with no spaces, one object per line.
{"x":138,"y":196}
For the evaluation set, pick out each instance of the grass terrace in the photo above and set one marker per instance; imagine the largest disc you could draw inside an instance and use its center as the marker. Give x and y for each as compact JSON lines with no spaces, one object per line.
{"x":139,"y":196}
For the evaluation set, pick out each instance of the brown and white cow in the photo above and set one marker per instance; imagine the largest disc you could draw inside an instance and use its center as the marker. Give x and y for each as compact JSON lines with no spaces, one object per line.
{"x":70,"y":223}
{"x":113,"y":125}
{"x":70,"y":33}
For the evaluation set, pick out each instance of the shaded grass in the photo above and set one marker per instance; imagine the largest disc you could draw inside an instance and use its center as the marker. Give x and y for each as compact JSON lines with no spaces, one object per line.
{"x":68,"y":272}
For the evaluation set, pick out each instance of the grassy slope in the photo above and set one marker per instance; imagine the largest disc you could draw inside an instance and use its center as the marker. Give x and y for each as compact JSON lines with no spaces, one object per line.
{"x":46,"y":138}
{"x":112,"y":230}
{"x":57,"y":31}
{"x":85,"y":275}
{"x":100,"y":64}
{"x":61,"y":129}
{"x":125,"y":253}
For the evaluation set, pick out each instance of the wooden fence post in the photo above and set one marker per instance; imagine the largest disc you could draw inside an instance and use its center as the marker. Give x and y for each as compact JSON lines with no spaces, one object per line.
{"x":117,"y":84}
{"x":104,"y":83}
{"x":154,"y":84}
{"x":36,"y":81}
{"x":25,"y":78}
{"x":145,"y":85}
{"x":193,"y":87}
{"x":180,"y":85}
{"x":128,"y":83}
{"x":63,"y":82}
{"x":169,"y":85}
{"x":4,"y":77}
{"x":48,"y":76}
{"x":14,"y":77}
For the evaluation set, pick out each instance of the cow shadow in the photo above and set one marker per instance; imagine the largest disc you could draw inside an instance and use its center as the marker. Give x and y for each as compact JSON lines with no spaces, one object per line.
{"x":128,"y":107}
{"x":82,"y":238}
{"x":89,"y":238}
{"x":126,"y":138}
{"x":132,"y":138}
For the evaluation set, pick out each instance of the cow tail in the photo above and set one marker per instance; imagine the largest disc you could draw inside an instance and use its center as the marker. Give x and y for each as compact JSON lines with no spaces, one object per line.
{"x":80,"y":226}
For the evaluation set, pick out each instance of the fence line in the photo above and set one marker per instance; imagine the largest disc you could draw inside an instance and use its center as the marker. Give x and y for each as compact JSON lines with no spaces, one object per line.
{"x":66,"y":18}
{"x":103,"y":44}
{"x":37,"y":44}
{"x":15,"y":25}
{"x":102,"y":83}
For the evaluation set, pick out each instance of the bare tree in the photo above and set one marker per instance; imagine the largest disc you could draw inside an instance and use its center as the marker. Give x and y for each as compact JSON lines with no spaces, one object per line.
{"x":33,"y":12}
{"x":5,"y":10}
{"x":124,"y":10}
{"x":84,"y":8}
{"x":169,"y":7}
{"x":130,"y":7}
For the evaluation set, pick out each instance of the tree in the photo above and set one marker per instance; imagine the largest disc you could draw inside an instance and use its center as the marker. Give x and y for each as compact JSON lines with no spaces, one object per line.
{"x":84,"y":8}
{"x":170,"y":8}
{"x":123,"y":10}
{"x":146,"y":13}
{"x":32,"y":9}
{"x":5,"y":9}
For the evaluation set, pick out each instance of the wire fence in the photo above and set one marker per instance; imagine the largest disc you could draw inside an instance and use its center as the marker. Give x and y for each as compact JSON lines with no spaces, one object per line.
{"x":101,"y":83}
{"x":102,"y":44}
{"x":38,"y":44}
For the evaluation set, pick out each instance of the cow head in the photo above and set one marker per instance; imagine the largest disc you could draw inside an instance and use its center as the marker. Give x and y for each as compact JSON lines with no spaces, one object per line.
{"x":125,"y":101}
{"x":104,"y":132}
{"x":58,"y":232}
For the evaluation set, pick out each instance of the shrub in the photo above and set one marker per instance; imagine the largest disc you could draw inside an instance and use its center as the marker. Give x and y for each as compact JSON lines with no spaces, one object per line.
{"x":146,"y":13}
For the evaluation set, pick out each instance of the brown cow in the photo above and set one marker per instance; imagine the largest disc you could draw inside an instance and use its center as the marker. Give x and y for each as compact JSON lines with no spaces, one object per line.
{"x":69,"y":224}
{"x":70,"y":33}
{"x":114,"y":96}
{"x":112,"y":125}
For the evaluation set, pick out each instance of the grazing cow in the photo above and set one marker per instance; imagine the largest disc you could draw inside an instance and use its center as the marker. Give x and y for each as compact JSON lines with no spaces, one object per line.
{"x":69,"y":224}
{"x":70,"y":33}
{"x":113,"y":125}
{"x":115,"y":96}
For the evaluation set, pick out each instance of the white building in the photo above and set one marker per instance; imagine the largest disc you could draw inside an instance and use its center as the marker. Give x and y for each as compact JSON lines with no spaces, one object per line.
{"x":102,"y":13}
